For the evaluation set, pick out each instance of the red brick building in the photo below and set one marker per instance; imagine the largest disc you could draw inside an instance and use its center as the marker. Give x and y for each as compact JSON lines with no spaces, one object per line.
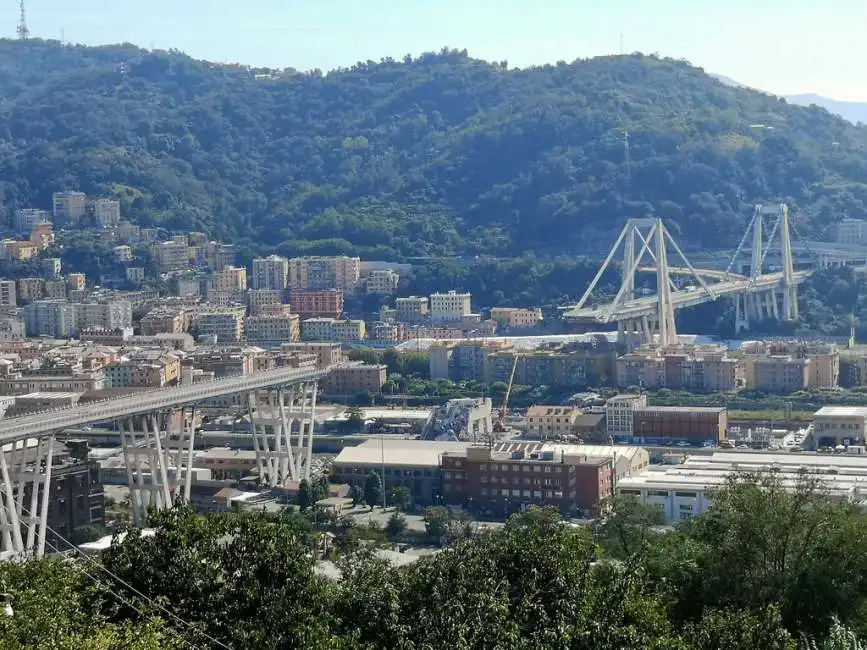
{"x":317,"y":304}
{"x":498,"y":483}
{"x":692,"y":424}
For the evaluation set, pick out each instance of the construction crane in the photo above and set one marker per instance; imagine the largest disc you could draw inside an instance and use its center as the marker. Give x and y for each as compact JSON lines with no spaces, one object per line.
{"x":23,"y":32}
{"x":500,"y":424}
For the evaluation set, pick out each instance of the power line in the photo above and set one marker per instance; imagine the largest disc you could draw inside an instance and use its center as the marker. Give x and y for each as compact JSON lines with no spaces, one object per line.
{"x":123,"y":582}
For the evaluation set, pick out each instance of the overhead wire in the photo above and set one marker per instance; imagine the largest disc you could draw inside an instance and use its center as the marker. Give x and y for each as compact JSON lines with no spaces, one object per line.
{"x":141,"y":595}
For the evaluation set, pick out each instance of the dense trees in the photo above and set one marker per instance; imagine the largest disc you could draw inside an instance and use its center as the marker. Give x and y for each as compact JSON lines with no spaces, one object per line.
{"x":434,"y":156}
{"x":763,"y":569}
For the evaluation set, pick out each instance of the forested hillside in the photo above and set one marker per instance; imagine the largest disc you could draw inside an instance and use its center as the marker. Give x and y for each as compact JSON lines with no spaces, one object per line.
{"x":439,"y":155}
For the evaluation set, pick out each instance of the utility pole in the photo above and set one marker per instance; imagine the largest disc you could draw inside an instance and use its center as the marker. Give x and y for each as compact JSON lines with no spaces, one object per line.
{"x":23,"y":32}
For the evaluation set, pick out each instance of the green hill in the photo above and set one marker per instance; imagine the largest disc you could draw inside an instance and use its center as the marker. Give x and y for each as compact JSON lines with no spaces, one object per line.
{"x":438,"y":155}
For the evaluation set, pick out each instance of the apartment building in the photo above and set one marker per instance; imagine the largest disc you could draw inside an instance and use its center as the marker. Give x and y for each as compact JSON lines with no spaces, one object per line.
{"x":226,"y":324}
{"x":620,"y":415}
{"x":461,"y":360}
{"x":570,"y":366}
{"x":105,"y":212}
{"x":852,"y":232}
{"x":412,"y":310}
{"x":69,"y":208}
{"x":678,"y":367}
{"x":44,"y":381}
{"x":161,"y":320}
{"x":273,"y":326}
{"x":108,"y":315}
{"x":42,"y":235}
{"x":317,"y":304}
{"x":546,"y":422}
{"x":331,"y":329}
{"x":122,"y":253}
{"x":54,"y":318}
{"x":218,"y":256}
{"x":382,"y":281}
{"x":823,"y":369}
{"x":25,"y":220}
{"x":515,"y":318}
{"x":8,"y":296}
{"x":170,"y":256}
{"x":323,"y":273}
{"x":76,"y":281}
{"x":327,"y":354}
{"x":260,"y":300}
{"x":30,"y":289}
{"x":55,"y":289}
{"x":354,"y":378}
{"x":271,"y":272}
{"x":498,"y":483}
{"x":135,"y":275}
{"x":450,"y":307}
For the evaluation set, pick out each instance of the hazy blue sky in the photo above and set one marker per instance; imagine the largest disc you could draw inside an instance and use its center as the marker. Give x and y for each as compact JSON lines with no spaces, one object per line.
{"x":784,"y":46}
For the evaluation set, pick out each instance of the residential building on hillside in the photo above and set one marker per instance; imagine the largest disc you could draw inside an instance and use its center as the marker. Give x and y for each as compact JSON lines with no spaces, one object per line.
{"x":382,"y":281}
{"x":259,"y":300}
{"x":273,"y":326}
{"x":8,"y":297}
{"x":412,"y":310}
{"x":323,"y":273}
{"x":354,"y":378}
{"x":515,"y":318}
{"x":54,"y":318}
{"x":30,"y":289}
{"x":25,"y":220}
{"x":271,"y":272}
{"x":170,"y":256}
{"x":317,"y":304}
{"x":450,"y":307}
{"x":106,"y":212}
{"x":331,"y":329}
{"x":227,"y":324}
{"x":69,"y":208}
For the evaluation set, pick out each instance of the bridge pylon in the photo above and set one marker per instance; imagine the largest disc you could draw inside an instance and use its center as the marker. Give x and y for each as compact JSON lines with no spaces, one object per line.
{"x":282,"y":424}
{"x":654,"y":240}
{"x":761,"y":304}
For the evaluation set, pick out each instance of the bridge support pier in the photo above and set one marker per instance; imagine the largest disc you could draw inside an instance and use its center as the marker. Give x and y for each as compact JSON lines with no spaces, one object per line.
{"x":25,"y":497}
{"x":158,"y":460}
{"x":282,"y":424}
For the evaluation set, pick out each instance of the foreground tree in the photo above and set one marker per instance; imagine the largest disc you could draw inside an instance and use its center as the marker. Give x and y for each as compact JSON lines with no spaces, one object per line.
{"x":373,"y":491}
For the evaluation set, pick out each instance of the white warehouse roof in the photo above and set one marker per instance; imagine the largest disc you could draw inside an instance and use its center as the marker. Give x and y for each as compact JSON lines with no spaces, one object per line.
{"x":400,"y":452}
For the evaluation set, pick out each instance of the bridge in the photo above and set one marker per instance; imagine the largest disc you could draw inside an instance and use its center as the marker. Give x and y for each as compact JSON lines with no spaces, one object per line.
{"x":157,"y":431}
{"x":757,"y":296}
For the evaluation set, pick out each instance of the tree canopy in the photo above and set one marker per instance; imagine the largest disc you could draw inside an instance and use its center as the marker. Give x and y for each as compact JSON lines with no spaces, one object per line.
{"x":431,"y":156}
{"x":768,"y":566}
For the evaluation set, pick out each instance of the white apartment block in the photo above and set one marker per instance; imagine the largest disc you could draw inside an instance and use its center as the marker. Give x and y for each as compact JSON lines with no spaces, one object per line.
{"x":852,"y":232}
{"x":450,"y":307}
{"x":271,"y":272}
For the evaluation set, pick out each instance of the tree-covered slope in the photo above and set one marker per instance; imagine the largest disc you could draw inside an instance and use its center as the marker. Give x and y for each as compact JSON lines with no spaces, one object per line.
{"x":438,"y":155}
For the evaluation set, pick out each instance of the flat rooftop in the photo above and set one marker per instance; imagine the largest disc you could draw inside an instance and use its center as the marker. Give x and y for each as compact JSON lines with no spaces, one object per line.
{"x":840,"y":474}
{"x":375,"y":452}
{"x":842,"y":412}
{"x":683,"y":409}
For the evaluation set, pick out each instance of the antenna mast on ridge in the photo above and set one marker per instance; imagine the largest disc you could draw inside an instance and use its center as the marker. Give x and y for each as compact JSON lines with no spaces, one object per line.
{"x":23,"y":32}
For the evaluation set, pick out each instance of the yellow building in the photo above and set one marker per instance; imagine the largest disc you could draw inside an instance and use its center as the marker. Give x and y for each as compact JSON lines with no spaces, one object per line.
{"x":551,"y":421}
{"x":515,"y":317}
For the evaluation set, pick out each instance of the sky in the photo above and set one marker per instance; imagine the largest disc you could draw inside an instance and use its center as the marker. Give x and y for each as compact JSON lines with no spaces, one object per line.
{"x":781,"y":46}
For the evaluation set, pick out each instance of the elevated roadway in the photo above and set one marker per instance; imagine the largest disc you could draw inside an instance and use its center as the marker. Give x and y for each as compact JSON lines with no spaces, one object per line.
{"x":38,"y":424}
{"x":648,"y":306}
